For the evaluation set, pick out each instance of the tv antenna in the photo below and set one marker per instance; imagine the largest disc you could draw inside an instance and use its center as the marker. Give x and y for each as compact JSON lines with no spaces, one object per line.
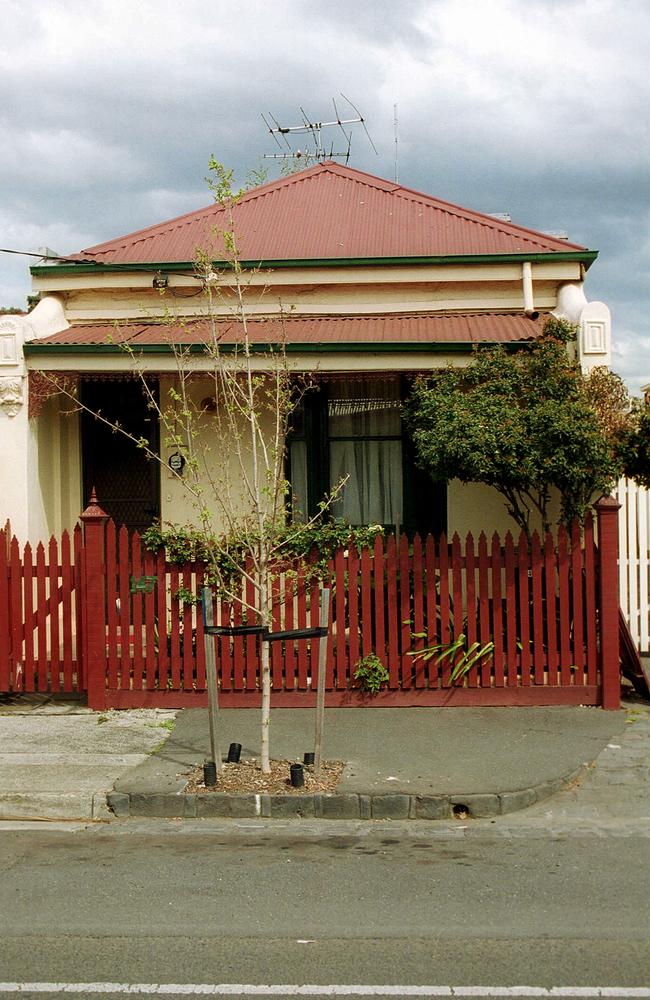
{"x":315,"y":128}
{"x":395,"y":124}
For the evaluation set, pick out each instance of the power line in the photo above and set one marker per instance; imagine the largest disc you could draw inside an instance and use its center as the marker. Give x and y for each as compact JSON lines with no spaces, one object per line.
{"x":47,"y":256}
{"x":122,"y":266}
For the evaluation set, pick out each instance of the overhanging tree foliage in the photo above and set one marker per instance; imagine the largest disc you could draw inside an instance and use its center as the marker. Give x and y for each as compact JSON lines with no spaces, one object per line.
{"x":634,"y":447}
{"x":524,"y":422}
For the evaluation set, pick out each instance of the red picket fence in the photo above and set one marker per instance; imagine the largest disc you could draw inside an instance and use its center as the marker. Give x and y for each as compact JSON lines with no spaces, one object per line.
{"x":41,"y":629}
{"x":547,"y":612}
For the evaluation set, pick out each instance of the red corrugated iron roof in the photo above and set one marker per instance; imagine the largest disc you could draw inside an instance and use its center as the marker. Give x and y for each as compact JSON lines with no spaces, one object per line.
{"x":386,"y":328}
{"x":326,"y":212}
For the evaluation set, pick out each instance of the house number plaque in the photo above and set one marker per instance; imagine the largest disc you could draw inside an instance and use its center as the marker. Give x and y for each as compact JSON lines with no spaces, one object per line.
{"x":177,"y":463}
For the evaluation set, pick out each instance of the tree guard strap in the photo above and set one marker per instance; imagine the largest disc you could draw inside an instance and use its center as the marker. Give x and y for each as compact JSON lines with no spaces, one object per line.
{"x":296,"y":633}
{"x":235,"y":629}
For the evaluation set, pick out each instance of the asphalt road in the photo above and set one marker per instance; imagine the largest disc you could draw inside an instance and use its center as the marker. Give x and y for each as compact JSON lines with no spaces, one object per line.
{"x":394,"y":906}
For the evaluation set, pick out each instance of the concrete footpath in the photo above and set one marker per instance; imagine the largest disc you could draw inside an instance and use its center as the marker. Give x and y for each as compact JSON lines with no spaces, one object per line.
{"x":60,"y":761}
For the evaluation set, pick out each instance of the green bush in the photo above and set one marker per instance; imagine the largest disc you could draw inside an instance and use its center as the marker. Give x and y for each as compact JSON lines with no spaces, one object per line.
{"x":370,"y":674}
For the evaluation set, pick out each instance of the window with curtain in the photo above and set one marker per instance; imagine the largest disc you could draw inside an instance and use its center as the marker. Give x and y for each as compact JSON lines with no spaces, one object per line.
{"x":364,"y":433}
{"x":352,"y":427}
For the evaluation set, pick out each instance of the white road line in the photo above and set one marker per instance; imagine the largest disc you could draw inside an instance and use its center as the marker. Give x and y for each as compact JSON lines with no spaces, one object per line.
{"x":331,"y":990}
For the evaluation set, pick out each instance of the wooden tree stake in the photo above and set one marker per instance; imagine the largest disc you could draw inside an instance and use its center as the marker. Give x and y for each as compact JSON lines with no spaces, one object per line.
{"x":211,"y":678}
{"x":322,"y":679}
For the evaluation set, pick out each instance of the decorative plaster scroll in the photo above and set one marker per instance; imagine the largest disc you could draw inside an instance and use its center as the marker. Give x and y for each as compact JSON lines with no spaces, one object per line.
{"x":47,"y":317}
{"x":11,"y":395}
{"x":571,"y":301}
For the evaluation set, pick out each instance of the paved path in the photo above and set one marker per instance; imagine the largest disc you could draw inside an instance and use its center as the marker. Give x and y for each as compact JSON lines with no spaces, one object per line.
{"x":419,"y":763}
{"x":59,"y":761}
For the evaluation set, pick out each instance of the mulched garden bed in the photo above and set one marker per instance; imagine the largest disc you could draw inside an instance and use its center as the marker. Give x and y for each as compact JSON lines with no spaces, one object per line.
{"x":246,"y":777}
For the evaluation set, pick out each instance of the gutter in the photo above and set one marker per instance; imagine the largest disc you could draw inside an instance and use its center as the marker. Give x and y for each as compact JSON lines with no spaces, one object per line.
{"x":35,"y":349}
{"x":585,"y":257}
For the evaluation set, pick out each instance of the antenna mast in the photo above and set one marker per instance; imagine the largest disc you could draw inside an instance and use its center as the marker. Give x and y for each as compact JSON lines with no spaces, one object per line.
{"x":395,"y":130}
{"x":315,"y":128}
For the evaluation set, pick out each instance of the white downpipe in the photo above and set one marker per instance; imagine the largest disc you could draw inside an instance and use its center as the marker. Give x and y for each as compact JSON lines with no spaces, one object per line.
{"x":527,"y":280}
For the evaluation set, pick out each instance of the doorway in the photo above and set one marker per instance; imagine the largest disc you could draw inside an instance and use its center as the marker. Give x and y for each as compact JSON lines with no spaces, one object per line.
{"x":126,"y":480}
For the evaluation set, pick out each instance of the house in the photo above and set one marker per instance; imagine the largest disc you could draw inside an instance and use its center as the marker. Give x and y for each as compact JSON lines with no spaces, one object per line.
{"x":367,"y":282}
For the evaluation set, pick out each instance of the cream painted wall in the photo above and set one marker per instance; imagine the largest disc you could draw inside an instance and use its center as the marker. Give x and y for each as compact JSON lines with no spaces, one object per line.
{"x":224,"y":489}
{"x":59,"y":465}
{"x":358,"y":299}
{"x":27,"y":498}
{"x":471,"y":507}
{"x":475,"y":507}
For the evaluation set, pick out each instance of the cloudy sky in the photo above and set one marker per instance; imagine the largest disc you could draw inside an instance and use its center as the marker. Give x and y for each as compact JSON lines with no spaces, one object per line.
{"x":110,"y":109}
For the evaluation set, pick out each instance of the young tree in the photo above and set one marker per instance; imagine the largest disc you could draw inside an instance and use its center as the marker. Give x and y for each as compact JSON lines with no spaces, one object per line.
{"x":235,"y":476}
{"x":523,"y":422}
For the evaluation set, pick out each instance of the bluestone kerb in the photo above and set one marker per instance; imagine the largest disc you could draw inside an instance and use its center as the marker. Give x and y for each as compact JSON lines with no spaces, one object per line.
{"x":344,"y":805}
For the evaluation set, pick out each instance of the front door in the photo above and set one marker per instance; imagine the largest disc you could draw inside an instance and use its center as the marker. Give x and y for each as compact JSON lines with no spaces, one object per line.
{"x":126,"y":480}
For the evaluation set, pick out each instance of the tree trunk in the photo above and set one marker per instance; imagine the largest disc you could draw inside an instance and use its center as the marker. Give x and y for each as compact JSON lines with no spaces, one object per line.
{"x":265,"y":664}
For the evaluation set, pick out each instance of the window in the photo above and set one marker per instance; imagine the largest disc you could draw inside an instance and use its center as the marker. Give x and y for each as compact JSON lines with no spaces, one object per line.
{"x":351,"y":428}
{"x":364,"y":430}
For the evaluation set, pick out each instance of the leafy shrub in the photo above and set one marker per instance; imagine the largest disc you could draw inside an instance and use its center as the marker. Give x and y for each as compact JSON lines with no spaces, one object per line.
{"x":370,"y":674}
{"x":225,"y":555}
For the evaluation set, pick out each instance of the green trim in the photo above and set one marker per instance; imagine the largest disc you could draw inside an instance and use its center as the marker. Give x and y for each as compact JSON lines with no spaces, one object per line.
{"x":587,"y":257}
{"x":36,"y":349}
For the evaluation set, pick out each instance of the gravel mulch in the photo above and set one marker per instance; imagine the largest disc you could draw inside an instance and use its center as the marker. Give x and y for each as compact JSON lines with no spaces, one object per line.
{"x":246,"y":776}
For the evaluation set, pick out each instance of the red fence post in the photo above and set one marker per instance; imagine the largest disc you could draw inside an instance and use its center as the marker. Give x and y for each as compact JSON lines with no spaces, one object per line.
{"x":608,"y":601}
{"x":93,"y":591}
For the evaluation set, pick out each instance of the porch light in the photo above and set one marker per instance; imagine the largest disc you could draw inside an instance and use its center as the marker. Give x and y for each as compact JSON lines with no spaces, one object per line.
{"x":160,"y":281}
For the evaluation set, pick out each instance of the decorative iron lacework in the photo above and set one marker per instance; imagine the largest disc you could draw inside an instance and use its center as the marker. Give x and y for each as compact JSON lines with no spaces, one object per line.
{"x":42,"y":385}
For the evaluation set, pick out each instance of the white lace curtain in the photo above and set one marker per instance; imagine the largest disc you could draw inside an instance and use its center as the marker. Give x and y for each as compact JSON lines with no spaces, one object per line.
{"x":358,"y":411}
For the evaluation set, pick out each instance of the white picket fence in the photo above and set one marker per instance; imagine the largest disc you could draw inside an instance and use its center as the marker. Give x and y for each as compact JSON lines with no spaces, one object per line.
{"x":634,"y":559}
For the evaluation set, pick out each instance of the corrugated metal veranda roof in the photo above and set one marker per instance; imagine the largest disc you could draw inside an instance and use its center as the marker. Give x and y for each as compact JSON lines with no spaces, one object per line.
{"x":318,"y":332}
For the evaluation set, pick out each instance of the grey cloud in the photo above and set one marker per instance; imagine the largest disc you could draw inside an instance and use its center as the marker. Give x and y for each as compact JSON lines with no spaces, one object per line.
{"x":111,"y":131}
{"x":372,"y":21}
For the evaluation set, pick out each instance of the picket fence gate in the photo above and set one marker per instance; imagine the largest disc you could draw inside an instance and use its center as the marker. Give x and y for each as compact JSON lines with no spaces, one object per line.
{"x":99,"y":614}
{"x":634,"y":559}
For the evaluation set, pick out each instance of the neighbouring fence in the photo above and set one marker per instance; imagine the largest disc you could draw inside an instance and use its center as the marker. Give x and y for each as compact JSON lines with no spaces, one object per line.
{"x":634,"y":559}
{"x":109,"y":617}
